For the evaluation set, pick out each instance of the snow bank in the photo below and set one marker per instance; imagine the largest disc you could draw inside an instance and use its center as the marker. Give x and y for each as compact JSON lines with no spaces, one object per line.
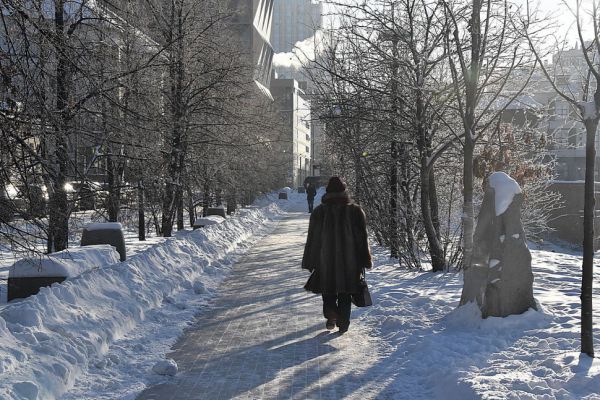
{"x":110,"y":226}
{"x":209,"y":220}
{"x":69,"y":263}
{"x":48,"y":340}
{"x":468,"y":317}
{"x":166,"y":367}
{"x":505,"y":188}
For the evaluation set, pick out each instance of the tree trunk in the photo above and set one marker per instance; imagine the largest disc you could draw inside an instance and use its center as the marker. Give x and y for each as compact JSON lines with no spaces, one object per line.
{"x":205,"y":198}
{"x":113,"y":202}
{"x":394,"y":245}
{"x":394,"y":242}
{"x":191,"y":207}
{"x":468,"y":211}
{"x":434,"y":203}
{"x":180,"y":226}
{"x":58,"y":232}
{"x":358,"y":179}
{"x":436,"y":251}
{"x":175,"y":156}
{"x":409,"y":212}
{"x":168,"y":208}
{"x":471,"y":83}
{"x":141,"y":215}
{"x":231,"y":203}
{"x":587,"y":276}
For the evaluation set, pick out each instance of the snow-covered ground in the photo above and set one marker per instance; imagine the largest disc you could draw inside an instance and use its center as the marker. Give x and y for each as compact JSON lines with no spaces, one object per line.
{"x":439,"y":351}
{"x":101,"y":334}
{"x":89,"y":329}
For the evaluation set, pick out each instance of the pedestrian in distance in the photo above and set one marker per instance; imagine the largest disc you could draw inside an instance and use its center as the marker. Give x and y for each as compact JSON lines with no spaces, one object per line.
{"x":311,"y":192}
{"x":337,"y":253}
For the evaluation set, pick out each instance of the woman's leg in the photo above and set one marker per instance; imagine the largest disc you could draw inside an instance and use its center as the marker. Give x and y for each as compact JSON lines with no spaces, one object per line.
{"x":344,"y":309}
{"x":330,"y":306}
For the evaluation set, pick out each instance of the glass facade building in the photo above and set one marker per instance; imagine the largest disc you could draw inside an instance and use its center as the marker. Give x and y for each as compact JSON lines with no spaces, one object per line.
{"x":253,"y":24}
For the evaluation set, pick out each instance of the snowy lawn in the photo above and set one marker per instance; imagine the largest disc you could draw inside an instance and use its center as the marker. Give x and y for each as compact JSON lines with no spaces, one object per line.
{"x":95,"y":327}
{"x":438,"y":351}
{"x":76,"y":225}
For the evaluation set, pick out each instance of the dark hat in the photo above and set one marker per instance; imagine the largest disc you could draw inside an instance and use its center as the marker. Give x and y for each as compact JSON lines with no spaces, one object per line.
{"x":335,"y":185}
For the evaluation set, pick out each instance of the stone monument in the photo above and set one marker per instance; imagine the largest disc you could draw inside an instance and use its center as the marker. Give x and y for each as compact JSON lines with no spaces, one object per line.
{"x":500,"y":278}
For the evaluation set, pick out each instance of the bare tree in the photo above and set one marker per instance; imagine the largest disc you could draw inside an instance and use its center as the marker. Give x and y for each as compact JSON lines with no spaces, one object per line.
{"x":587,"y":103}
{"x":483,"y":54}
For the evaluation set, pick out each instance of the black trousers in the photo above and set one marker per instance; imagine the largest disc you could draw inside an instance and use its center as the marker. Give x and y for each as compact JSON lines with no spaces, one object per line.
{"x":338,"y":306}
{"x":311,"y":203}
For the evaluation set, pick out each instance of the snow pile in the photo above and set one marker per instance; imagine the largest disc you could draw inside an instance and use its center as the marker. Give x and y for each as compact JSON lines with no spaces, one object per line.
{"x":48,"y":340}
{"x":209,"y":220}
{"x":505,"y":189}
{"x":166,"y":367}
{"x":68,"y":263}
{"x":199,"y":287}
{"x":104,"y":226}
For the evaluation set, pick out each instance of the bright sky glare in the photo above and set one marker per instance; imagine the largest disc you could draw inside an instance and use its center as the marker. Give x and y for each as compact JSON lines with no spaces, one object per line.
{"x":556,"y":9}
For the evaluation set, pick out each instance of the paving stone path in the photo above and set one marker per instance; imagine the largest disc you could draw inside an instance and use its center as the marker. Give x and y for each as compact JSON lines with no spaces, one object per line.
{"x":264,"y":337}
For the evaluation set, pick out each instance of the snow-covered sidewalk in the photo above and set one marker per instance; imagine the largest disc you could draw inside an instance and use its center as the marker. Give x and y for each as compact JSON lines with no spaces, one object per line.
{"x":264,"y":337}
{"x":105,"y":325}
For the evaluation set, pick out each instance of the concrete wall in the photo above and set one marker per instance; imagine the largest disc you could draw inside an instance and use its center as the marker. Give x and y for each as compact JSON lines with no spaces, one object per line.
{"x":568,"y":220}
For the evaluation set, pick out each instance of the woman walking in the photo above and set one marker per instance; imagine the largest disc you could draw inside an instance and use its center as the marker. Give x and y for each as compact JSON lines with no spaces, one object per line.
{"x":336,"y":252}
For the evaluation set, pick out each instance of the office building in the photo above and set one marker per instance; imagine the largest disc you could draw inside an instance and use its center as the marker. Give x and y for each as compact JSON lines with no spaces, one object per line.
{"x":294,"y":21}
{"x":294,"y":108}
{"x":252,"y":26}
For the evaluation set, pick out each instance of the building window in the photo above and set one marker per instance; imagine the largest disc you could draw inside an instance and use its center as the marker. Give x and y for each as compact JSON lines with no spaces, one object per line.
{"x":562,"y":109}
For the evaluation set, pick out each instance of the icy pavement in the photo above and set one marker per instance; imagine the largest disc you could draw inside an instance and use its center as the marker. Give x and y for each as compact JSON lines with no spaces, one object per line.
{"x":264,"y":337}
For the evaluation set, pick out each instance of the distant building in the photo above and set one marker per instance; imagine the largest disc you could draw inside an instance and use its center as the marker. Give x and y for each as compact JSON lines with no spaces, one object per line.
{"x":253,"y":25}
{"x":294,"y":21}
{"x":290,"y":101}
{"x":564,"y":129}
{"x":566,"y":139}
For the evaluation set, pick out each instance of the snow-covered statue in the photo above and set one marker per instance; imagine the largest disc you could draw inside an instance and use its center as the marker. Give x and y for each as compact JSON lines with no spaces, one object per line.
{"x":500,"y":278}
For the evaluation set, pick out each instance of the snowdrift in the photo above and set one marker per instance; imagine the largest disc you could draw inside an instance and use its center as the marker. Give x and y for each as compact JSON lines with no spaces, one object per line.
{"x":68,"y":263}
{"x":47,"y":340}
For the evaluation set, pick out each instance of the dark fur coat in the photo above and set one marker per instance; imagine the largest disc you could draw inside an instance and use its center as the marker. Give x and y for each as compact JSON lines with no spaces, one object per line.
{"x":337,"y":247}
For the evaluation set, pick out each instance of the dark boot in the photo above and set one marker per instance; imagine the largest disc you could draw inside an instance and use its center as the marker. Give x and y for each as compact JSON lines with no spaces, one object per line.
{"x":330,"y":324}
{"x":330,"y":310}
